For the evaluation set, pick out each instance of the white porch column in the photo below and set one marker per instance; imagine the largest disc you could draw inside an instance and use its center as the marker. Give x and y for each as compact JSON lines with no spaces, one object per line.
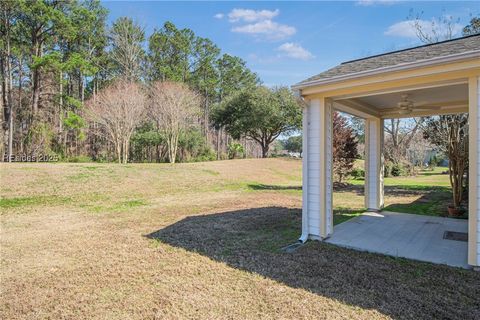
{"x":317,"y":214}
{"x":474,"y":171}
{"x":374,"y":164}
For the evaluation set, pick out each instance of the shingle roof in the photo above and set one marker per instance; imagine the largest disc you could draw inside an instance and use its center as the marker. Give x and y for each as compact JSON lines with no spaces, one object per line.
{"x":425,"y":52}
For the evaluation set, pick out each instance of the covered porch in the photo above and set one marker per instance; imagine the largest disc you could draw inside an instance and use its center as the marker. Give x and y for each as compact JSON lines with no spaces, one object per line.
{"x":417,"y":237}
{"x":442,"y":78}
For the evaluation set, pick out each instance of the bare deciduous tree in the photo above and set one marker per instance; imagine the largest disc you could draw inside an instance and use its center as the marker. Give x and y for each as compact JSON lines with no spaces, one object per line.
{"x":438,"y":29}
{"x":175,"y":107}
{"x":127,"y":47}
{"x":119,"y":108}
{"x":450,"y":134}
{"x":419,"y":150}
{"x":401,"y":132}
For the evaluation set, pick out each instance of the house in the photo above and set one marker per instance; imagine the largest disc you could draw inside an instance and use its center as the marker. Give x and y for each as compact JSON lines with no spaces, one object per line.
{"x":440,"y":78}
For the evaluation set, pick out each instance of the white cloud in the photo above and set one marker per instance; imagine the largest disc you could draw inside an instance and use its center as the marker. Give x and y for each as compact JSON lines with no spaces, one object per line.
{"x":268,"y":29}
{"x":219,"y":16}
{"x":367,"y":3}
{"x":248,"y":15}
{"x":295,"y":51}
{"x":407,"y":29}
{"x":260,"y":24}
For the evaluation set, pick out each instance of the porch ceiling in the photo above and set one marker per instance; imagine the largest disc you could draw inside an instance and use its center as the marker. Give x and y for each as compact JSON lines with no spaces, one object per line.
{"x":443,"y":99}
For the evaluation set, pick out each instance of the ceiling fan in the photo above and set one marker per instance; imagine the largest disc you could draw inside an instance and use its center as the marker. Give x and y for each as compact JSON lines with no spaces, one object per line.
{"x":407,"y":105}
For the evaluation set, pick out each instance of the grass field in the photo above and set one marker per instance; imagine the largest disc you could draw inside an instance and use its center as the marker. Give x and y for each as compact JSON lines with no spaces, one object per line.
{"x":428,"y":193}
{"x":202,"y":240}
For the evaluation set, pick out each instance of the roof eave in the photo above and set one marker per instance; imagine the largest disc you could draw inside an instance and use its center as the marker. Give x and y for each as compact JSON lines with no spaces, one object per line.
{"x":398,"y":67}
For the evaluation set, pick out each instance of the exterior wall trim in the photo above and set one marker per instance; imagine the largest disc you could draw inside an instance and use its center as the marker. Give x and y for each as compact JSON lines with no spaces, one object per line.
{"x":305,"y":125}
{"x":473,"y":192}
{"x":328,"y":158}
{"x":399,"y":67}
{"x":403,"y":80}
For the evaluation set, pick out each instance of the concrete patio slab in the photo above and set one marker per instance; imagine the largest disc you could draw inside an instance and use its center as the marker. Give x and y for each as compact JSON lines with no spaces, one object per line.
{"x":404,"y":235}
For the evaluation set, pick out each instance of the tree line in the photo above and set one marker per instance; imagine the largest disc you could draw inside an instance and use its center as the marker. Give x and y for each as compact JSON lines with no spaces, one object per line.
{"x":75,"y":86}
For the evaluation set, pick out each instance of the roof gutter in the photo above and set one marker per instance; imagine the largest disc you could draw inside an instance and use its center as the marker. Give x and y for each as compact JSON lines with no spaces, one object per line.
{"x":399,"y":67}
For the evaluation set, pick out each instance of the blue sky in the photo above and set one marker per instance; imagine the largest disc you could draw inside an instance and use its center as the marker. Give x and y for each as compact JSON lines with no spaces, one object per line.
{"x":286,"y":42}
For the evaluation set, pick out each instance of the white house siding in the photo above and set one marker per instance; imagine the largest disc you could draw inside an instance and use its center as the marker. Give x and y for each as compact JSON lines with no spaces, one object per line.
{"x":313,"y":183}
{"x":317,"y":193}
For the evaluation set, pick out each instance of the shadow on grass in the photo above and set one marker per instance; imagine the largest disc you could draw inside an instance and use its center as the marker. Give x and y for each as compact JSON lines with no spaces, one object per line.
{"x":433,"y":200}
{"x":272,"y":187}
{"x":394,"y":190}
{"x":250,"y":240}
{"x":343,"y":214}
{"x":434,"y":173}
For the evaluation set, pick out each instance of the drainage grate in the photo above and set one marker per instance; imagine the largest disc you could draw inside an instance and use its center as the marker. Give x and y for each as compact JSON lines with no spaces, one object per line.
{"x":457,"y":236}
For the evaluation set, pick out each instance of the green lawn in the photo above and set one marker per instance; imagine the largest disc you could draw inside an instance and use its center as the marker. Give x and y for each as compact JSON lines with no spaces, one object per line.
{"x":428,"y":193}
